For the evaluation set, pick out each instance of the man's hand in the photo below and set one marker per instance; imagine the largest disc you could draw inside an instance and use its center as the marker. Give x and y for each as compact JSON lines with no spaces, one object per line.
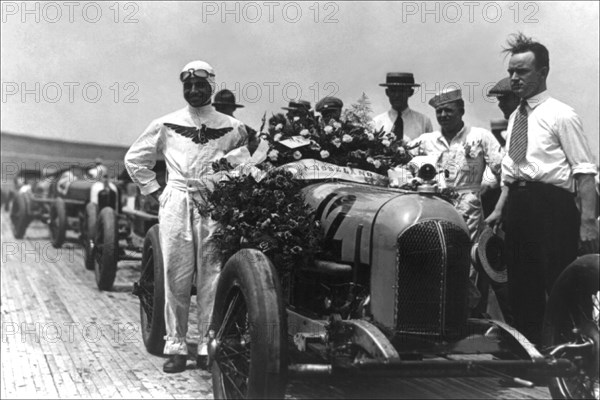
{"x":494,"y":219}
{"x":588,"y":236}
{"x":156,"y":196}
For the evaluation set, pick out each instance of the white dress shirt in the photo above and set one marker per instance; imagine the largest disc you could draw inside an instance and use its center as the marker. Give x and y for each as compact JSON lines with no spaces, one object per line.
{"x":414,"y":122}
{"x":557,"y":148}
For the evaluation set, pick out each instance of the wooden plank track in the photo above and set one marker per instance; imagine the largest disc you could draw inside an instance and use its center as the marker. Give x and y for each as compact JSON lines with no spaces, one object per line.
{"x":63,"y":338}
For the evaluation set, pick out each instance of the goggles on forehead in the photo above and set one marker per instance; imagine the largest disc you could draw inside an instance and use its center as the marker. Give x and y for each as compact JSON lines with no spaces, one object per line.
{"x":198,"y":73}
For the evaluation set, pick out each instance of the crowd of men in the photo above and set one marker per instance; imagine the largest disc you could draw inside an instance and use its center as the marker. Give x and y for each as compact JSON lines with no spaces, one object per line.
{"x":538,"y":162}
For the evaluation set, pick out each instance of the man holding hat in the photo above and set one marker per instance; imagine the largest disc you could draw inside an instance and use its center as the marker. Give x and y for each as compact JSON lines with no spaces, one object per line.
{"x":190,"y":140}
{"x":405,"y":123}
{"x":330,"y":108}
{"x":548,"y":167}
{"x":224,"y":102}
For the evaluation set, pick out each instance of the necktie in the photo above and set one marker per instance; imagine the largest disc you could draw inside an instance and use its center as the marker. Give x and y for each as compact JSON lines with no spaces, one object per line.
{"x":398,"y":128}
{"x":518,"y":138}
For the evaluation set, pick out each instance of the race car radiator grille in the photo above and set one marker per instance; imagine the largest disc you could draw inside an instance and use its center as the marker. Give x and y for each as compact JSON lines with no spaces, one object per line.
{"x":432,"y":279}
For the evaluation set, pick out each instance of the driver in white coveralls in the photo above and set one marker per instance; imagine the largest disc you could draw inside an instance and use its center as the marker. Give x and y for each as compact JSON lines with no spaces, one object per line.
{"x":190,"y":140}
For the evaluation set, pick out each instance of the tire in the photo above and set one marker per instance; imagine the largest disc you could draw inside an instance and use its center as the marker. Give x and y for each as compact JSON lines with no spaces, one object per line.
{"x":89,"y":229}
{"x":58,"y":222}
{"x":151,"y":291}
{"x":106,"y":249}
{"x":572,"y":317}
{"x":19,"y":215}
{"x":249,"y":317}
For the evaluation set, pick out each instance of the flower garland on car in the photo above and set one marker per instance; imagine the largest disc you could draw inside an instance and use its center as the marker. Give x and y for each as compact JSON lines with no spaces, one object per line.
{"x":350,"y":142}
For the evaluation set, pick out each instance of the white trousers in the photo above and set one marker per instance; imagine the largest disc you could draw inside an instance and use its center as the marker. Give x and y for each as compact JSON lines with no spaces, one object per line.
{"x":187,"y":247}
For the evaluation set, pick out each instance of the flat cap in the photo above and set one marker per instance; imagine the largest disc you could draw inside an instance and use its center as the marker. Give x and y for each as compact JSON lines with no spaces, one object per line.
{"x":501,"y":88}
{"x":328,"y":103}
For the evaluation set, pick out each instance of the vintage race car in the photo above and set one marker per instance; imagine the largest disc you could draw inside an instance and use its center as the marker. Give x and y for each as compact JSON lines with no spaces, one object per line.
{"x":120,"y":232}
{"x":393,"y":302}
{"x":59,"y":198}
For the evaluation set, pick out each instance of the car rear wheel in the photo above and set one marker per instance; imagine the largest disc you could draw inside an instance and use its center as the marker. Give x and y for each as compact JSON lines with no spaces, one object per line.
{"x":106,"y":249}
{"x":19,"y":215}
{"x":572,"y":318}
{"x":249,"y":351}
{"x":58,"y":222}
{"x":151,"y":291}
{"x":91,"y":216}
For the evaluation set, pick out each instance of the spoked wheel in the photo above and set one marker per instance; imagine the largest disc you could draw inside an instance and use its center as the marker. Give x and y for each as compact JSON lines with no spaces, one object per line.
{"x":249,"y":353}
{"x":571,"y":327}
{"x":19,"y":214}
{"x":58,"y":222}
{"x":89,"y":233}
{"x":151,"y":291}
{"x":106,"y":249}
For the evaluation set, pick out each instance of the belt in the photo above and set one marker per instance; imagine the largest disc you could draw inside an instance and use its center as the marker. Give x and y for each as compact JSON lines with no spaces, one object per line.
{"x":548,"y":187}
{"x":521,"y":184}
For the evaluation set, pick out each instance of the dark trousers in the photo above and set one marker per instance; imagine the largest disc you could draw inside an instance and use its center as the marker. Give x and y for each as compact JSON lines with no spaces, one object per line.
{"x":542,"y":233}
{"x":488,"y":203}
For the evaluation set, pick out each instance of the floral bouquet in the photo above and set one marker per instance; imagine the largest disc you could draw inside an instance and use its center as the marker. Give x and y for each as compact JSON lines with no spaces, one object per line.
{"x":269,"y":215}
{"x":351,"y":142}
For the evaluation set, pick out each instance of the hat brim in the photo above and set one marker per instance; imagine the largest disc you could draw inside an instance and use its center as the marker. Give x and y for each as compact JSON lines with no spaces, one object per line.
{"x":294,"y":109}
{"x":498,"y":94}
{"x":228,"y":104}
{"x":400,"y":84}
{"x":490,"y":250}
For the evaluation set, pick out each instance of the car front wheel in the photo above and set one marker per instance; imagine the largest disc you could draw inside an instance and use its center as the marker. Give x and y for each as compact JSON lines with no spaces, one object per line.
{"x":249,"y":349}
{"x":571,"y":328}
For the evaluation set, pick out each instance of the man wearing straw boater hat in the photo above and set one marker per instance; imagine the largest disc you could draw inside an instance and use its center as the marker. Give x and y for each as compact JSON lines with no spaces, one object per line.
{"x":401,"y":120}
{"x":190,"y":140}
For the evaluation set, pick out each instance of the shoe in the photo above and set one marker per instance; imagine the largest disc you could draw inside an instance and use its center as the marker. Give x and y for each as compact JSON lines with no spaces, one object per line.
{"x":175,"y":363}
{"x":202,"y":362}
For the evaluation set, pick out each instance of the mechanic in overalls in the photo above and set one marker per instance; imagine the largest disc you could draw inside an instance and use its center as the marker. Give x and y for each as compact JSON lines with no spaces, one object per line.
{"x":190,"y":140}
{"x":464,"y":152}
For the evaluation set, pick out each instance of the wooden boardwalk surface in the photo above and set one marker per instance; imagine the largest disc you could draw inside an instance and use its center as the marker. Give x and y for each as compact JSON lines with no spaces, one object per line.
{"x":63,"y":338}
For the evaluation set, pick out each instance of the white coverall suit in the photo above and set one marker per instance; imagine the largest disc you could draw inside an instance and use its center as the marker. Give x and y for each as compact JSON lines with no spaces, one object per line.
{"x":185,"y":236}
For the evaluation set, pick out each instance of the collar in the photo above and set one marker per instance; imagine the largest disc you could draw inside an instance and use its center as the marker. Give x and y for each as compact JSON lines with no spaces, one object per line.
{"x":537,"y":99}
{"x":393,"y":114}
{"x":441,"y":138}
{"x":202,"y":110}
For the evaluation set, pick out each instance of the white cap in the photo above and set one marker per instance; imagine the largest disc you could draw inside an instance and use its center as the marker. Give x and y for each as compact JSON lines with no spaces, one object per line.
{"x":447,"y":95}
{"x":199,"y":65}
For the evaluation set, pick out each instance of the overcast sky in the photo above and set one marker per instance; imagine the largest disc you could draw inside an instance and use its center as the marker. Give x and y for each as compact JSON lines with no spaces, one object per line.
{"x":100,"y":72}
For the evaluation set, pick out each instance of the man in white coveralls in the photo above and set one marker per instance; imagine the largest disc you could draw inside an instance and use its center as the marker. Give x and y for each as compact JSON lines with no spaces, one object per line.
{"x":190,"y":140}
